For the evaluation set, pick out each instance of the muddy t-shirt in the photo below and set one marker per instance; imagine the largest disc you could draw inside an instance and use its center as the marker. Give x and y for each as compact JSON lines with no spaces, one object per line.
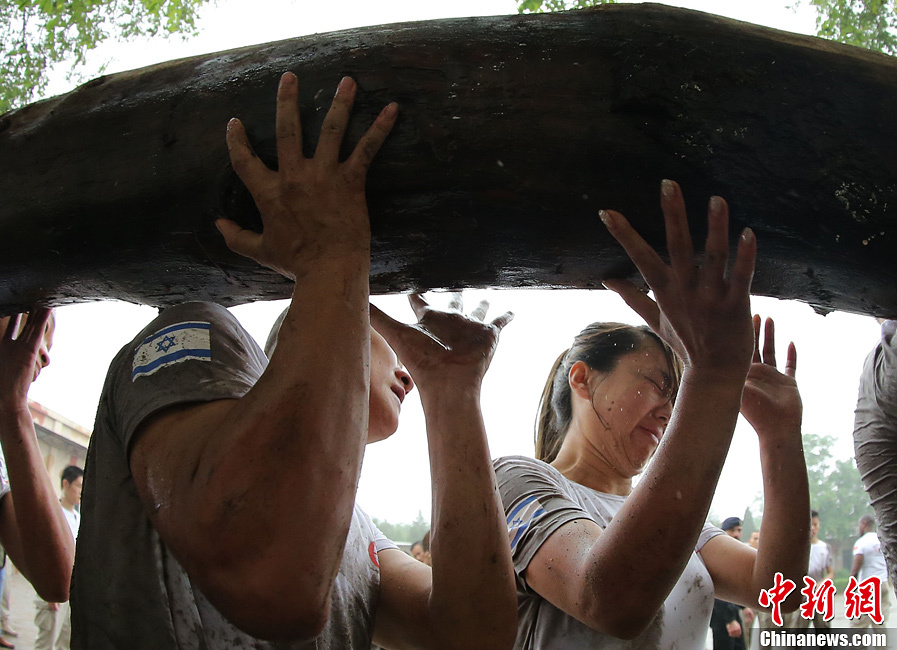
{"x":875,"y":438}
{"x":538,"y":500}
{"x":128,"y":590}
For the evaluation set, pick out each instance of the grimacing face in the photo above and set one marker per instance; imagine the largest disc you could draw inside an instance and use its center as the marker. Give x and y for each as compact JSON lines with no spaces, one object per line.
{"x":633,"y":404}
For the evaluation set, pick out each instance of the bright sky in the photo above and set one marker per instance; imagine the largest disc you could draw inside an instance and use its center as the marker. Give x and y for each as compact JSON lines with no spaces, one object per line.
{"x":395,"y":480}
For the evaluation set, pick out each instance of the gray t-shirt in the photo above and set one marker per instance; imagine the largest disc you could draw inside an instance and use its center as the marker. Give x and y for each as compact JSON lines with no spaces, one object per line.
{"x":538,"y":500}
{"x":875,"y":438}
{"x":128,"y":590}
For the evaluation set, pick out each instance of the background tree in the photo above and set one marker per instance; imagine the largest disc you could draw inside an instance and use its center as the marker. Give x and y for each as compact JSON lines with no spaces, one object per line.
{"x":35,"y":34}
{"x":836,"y":492}
{"x":410,"y":533}
{"x":866,"y":23}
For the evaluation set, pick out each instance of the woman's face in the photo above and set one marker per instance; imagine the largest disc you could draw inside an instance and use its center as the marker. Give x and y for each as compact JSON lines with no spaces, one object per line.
{"x":389,"y":385}
{"x":632,"y":404}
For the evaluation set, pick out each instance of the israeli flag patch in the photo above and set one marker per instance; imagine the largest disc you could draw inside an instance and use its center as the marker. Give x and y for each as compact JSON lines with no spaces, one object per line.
{"x":521,"y":517}
{"x":171,"y":345}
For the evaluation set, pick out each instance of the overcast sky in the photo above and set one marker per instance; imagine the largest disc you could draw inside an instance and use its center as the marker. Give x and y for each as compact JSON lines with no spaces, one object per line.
{"x":395,"y":479}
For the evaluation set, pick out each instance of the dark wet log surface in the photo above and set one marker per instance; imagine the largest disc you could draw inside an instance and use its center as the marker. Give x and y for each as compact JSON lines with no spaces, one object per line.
{"x":514,"y":132}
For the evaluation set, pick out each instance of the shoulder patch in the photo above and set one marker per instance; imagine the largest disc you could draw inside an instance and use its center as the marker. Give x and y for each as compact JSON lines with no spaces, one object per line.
{"x":170,"y":345}
{"x":521,"y":517}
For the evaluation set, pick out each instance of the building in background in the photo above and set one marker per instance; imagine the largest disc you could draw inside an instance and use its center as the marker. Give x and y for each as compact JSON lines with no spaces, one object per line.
{"x":62,"y":442}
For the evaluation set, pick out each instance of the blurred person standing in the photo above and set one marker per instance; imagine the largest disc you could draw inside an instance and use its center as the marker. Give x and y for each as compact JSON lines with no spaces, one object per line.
{"x":725,"y":621}
{"x":54,"y":620}
{"x":869,"y":562}
{"x":821,"y":568}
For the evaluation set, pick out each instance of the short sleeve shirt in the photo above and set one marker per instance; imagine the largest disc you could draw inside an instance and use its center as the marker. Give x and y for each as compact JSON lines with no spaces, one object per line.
{"x":820,"y":560}
{"x":873,"y":559}
{"x":538,"y":500}
{"x":128,"y":590}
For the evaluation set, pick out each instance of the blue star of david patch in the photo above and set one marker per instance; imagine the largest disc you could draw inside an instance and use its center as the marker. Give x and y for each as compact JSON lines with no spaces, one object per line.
{"x":165,"y":344}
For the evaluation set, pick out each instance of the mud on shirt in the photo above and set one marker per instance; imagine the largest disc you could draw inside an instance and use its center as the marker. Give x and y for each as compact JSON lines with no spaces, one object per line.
{"x":538,"y":500}
{"x":128,"y":590}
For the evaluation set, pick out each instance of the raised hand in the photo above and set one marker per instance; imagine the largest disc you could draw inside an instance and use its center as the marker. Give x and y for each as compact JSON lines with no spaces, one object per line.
{"x":312,"y":208}
{"x":771,"y":401}
{"x":702,"y":313}
{"x":22,"y":357}
{"x":443,"y":345}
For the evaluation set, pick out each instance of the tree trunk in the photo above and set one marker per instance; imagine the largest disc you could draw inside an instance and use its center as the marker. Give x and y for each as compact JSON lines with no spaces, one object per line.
{"x":513,"y":132}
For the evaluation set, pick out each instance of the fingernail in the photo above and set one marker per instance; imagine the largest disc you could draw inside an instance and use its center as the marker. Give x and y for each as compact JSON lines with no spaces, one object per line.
{"x":716,"y":203}
{"x":391,"y":110}
{"x":344,"y":84}
{"x":286,"y":79}
{"x":231,"y":123}
{"x":607,"y":218}
{"x":747,"y":236}
{"x":667,"y":187}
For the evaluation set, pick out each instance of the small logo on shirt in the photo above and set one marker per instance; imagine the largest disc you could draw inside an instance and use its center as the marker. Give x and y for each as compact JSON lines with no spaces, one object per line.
{"x":521,"y":517}
{"x":372,"y":552}
{"x":171,"y":345}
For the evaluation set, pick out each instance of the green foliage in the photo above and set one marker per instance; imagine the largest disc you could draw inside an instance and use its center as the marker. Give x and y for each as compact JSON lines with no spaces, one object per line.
{"x":413,"y":532}
{"x":35,"y":34}
{"x":542,"y":6}
{"x":836,"y":490}
{"x":866,"y":23}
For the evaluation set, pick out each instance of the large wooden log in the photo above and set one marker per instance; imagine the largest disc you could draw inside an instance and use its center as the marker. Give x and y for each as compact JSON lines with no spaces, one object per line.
{"x":514,"y":131}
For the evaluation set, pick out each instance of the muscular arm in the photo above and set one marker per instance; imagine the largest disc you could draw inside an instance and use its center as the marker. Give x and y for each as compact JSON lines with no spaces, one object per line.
{"x":254,"y":496}
{"x":468,"y":599}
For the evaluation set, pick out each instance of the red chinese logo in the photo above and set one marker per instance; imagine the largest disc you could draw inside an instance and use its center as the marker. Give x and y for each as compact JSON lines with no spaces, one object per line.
{"x":774,"y":596}
{"x":818,"y":599}
{"x":864,"y":598}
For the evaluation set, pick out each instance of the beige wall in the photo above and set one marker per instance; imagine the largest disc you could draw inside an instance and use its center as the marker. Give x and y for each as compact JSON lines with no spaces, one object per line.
{"x":62,"y":442}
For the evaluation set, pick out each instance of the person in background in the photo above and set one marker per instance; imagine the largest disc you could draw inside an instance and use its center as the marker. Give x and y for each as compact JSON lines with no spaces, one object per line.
{"x":821,"y":568}
{"x":219,"y":501}
{"x":725,"y":621}
{"x":606,"y":562}
{"x":54,"y":620}
{"x":33,"y":529}
{"x":754,"y":540}
{"x":869,"y":562}
{"x":417,"y":551}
